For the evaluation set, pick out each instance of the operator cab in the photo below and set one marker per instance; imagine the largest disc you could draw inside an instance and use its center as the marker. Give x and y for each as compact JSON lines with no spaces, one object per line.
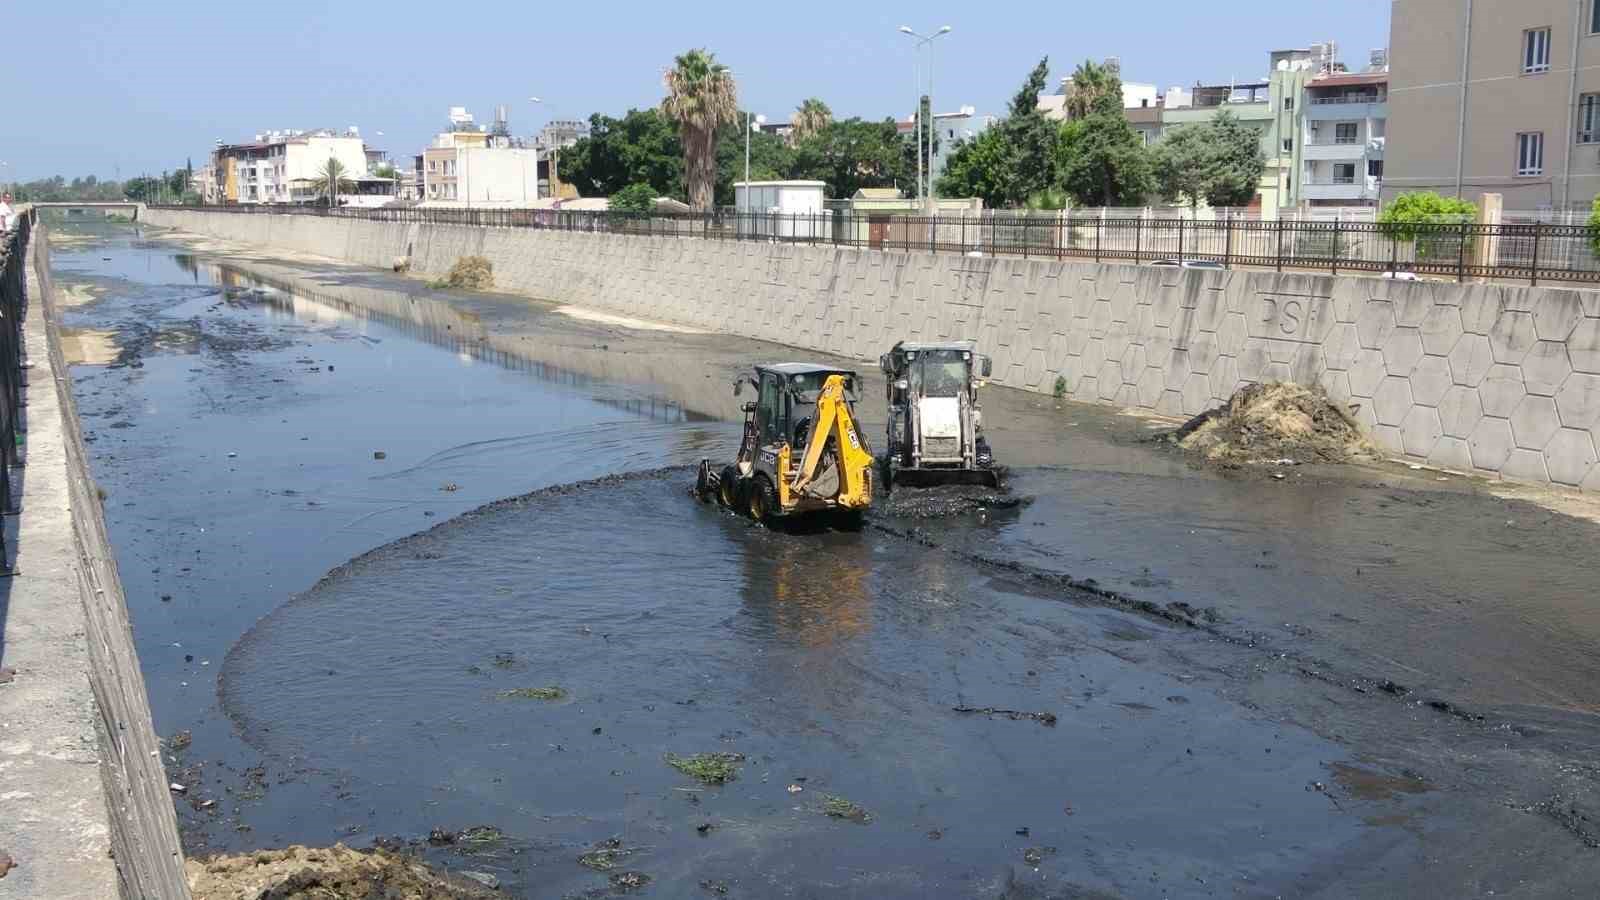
{"x":786,"y":398}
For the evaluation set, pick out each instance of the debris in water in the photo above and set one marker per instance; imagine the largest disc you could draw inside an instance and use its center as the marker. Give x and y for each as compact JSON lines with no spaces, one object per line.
{"x":840,"y":808}
{"x":711,"y":768}
{"x":629,"y":881}
{"x":7,"y":864}
{"x":379,"y":454}
{"x":333,"y":872}
{"x":795,"y":788}
{"x":483,"y":878}
{"x":1035,"y":855}
{"x":450,"y":486}
{"x":181,"y":741}
{"x":1015,"y":715}
{"x":177,"y":788}
{"x":604,"y":855}
{"x":1274,"y":424}
{"x":535,"y":693}
{"x":473,"y":273}
{"x":720,"y":888}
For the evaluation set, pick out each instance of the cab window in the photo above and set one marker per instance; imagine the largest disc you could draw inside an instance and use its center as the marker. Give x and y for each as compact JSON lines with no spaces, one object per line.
{"x":767,"y":408}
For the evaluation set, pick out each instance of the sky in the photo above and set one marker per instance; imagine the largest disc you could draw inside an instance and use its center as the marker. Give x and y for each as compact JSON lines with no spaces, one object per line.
{"x":116,"y":88}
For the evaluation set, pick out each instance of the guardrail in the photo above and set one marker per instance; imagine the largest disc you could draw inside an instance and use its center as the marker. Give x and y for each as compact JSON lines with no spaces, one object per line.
{"x":13,"y":305}
{"x":1459,"y":250}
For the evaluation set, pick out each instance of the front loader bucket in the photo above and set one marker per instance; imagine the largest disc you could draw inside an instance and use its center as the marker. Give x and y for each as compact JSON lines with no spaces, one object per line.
{"x":935,"y":477}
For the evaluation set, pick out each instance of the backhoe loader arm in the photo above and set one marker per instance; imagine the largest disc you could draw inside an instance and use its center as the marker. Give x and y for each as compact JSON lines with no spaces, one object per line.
{"x":855,"y":462}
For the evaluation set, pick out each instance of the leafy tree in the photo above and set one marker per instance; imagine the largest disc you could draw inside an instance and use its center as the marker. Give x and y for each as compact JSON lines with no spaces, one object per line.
{"x":810,"y":118}
{"x":1594,"y":225}
{"x":1032,"y":139}
{"x":331,"y":178}
{"x":1240,"y":161}
{"x":1411,"y":213}
{"x":1092,"y":82}
{"x":1048,"y":199}
{"x":637,"y":198}
{"x":1103,"y":160}
{"x":1219,"y":162}
{"x":701,"y":99}
{"x":641,"y":147}
{"x":984,"y":167}
{"x":854,"y":154}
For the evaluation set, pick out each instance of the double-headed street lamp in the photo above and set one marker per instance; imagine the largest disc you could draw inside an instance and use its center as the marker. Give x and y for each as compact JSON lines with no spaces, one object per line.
{"x":751,"y":123}
{"x":924,"y":40}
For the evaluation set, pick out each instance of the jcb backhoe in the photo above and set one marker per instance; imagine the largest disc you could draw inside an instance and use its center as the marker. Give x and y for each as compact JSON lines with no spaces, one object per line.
{"x":802,"y":451}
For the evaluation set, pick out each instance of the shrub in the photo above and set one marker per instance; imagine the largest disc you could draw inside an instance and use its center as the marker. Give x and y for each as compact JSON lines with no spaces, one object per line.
{"x":637,"y":198}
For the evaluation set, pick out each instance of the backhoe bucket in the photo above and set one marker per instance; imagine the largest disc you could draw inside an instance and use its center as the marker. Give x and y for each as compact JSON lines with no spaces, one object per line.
{"x":935,"y":477}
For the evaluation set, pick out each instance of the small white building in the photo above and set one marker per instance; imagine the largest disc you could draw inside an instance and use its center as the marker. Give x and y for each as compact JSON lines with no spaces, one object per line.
{"x":471,"y":167}
{"x":787,"y":209}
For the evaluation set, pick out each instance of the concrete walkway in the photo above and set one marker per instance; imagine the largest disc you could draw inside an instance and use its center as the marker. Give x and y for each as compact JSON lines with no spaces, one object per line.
{"x":54,"y":818}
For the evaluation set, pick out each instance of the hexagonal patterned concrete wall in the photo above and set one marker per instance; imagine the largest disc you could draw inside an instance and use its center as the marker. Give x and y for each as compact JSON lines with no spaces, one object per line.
{"x":1496,"y":379}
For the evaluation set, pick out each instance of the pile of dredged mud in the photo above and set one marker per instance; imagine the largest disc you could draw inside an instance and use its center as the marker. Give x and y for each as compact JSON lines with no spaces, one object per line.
{"x":1275,"y":424}
{"x":332,"y":873}
{"x":945,"y":501}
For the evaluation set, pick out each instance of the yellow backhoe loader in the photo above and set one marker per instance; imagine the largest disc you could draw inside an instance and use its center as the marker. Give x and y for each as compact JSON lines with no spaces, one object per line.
{"x":801,"y":453}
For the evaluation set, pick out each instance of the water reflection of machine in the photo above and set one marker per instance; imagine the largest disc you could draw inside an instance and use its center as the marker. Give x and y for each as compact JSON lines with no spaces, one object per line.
{"x":794,"y":606}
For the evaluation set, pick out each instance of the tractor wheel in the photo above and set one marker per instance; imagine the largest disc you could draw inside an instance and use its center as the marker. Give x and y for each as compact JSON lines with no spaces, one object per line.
{"x":728,"y":488}
{"x":763,"y":499}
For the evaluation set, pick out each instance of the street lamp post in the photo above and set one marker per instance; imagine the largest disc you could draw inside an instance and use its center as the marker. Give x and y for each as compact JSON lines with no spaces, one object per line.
{"x":925,"y":41}
{"x":536,"y":165}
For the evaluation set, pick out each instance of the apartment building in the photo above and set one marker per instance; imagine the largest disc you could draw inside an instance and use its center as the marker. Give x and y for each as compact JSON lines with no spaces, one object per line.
{"x":471,"y":166}
{"x":1344,"y":126}
{"x":279,"y":166}
{"x":1496,"y":97}
{"x":1249,"y":102}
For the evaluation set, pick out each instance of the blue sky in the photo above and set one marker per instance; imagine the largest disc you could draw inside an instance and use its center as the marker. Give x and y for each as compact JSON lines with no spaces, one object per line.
{"x":109,"y":86}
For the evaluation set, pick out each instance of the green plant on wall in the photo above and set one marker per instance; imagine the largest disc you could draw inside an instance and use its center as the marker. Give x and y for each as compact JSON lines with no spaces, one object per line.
{"x":1594,"y":226}
{"x":1429,"y":220}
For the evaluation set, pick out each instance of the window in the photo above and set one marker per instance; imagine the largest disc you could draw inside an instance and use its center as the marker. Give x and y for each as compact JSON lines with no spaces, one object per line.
{"x":1535,"y":50}
{"x":1344,"y":173}
{"x":433,"y":165}
{"x":433,"y":190}
{"x":1288,"y":145}
{"x":1345,"y":132}
{"x":1594,"y":19}
{"x":1589,"y":116}
{"x":1288,"y":104}
{"x":1374,"y":168}
{"x":1530,"y":153}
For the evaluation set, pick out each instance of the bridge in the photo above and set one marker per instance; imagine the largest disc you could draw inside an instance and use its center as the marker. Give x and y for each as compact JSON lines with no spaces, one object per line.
{"x":135,"y":208}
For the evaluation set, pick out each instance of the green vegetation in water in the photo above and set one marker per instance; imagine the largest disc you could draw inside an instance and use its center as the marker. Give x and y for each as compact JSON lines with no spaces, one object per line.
{"x":1060,"y":389}
{"x":711,"y":768}
{"x":624,"y":882}
{"x":481,"y":834}
{"x":604,"y":855}
{"x":534,"y":693}
{"x":840,"y":808}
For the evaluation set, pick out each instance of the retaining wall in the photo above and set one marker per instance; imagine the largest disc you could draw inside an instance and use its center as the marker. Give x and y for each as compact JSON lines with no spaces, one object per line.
{"x":1497,"y":379}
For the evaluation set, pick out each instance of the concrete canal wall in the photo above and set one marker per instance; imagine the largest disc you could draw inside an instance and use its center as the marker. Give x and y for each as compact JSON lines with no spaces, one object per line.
{"x":87,"y":810}
{"x":1496,"y":379}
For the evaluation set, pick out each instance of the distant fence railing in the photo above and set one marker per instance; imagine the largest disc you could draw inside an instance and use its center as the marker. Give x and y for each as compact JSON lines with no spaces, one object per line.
{"x":1535,"y":251}
{"x":13,"y":306}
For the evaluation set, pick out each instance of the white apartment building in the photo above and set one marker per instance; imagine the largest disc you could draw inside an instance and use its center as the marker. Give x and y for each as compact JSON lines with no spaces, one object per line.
{"x":1344,"y":128}
{"x":278,"y":166}
{"x":467,"y":166}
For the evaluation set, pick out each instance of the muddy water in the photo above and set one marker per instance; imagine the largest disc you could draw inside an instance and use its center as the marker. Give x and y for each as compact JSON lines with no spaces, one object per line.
{"x":235,"y":427}
{"x":833,"y":662}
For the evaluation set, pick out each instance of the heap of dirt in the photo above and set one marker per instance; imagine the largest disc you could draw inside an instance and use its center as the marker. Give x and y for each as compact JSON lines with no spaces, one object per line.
{"x":333,"y":873}
{"x":1275,"y":423}
{"x":473,"y":273}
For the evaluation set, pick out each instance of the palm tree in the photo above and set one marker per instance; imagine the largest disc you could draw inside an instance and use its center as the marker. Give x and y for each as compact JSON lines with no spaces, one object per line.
{"x":810,"y":117}
{"x":1090,"y":82}
{"x":331,"y":180}
{"x":701,"y":98}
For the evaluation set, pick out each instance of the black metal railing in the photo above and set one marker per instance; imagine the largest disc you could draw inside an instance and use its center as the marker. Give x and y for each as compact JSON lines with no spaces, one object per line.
{"x":13,"y":306}
{"x":1458,"y":250}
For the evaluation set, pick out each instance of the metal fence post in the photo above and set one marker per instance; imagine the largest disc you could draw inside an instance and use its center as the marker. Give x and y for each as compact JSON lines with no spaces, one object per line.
{"x":1180,"y":239}
{"x":1025,"y":220}
{"x":1138,"y":236}
{"x":1533,"y":279}
{"x":1461,"y":256}
{"x":1334,"y":250}
{"x":1227,"y":242}
{"x":1394,"y":255}
{"x":1097,"y":224}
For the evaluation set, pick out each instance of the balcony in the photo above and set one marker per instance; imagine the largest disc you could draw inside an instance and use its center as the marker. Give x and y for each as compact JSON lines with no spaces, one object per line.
{"x":1345,"y":109}
{"x":1360,"y":187}
{"x":1334,"y":150}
